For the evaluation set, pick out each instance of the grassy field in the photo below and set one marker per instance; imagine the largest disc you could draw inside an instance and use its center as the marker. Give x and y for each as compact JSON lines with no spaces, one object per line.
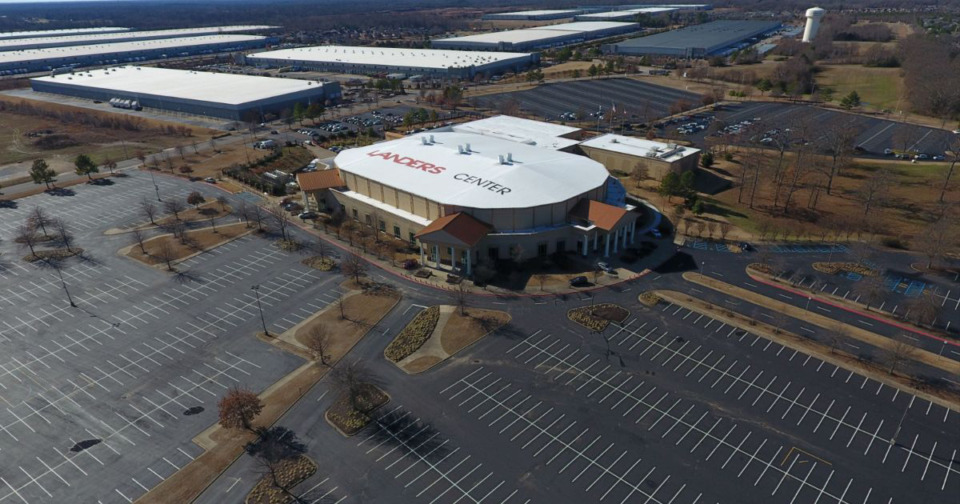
{"x":879,"y":88}
{"x":100,"y":143}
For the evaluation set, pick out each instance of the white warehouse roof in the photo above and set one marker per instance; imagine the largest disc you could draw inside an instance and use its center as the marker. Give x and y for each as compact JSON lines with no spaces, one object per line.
{"x":119,"y":47}
{"x":389,"y":56}
{"x":60,"y":33}
{"x":534,"y":13}
{"x":228,"y":89}
{"x":624,"y":14}
{"x":640,"y":147}
{"x":526,"y":131}
{"x":439,"y":172}
{"x":127,"y":36}
{"x":538,"y":33}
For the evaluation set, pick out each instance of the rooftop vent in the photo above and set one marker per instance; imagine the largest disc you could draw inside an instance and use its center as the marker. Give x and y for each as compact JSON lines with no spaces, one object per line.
{"x":432,"y":140}
{"x":502,"y":161}
{"x":460,"y":149}
{"x":467,"y":149}
{"x":509,"y":157}
{"x":424,"y":141}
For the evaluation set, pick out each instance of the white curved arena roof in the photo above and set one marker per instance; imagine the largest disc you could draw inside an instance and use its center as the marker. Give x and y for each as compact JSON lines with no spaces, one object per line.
{"x":439,"y":172}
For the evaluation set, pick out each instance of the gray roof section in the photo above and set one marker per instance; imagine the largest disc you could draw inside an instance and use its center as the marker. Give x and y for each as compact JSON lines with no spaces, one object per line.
{"x":709,"y":35}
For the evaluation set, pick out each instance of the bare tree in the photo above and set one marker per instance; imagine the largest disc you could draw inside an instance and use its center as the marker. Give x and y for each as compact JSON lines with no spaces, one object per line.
{"x":195,"y":199}
{"x":64,"y":234}
{"x":318,"y":342}
{"x":935,"y":239}
{"x":148,"y":209}
{"x":838,"y":141}
{"x":873,"y":191}
{"x":461,"y":298}
{"x":258,"y":214}
{"x":725,"y":228}
{"x":640,"y":173}
{"x":953,"y":152}
{"x":138,"y":237}
{"x":541,"y":279}
{"x":281,"y":218}
{"x":222,"y":201}
{"x":238,"y":409}
{"x":354,"y":266}
{"x":870,"y":291}
{"x":923,"y":309}
{"x":898,"y":354}
{"x":165,"y":253}
{"x":174,"y":206}
{"x":350,"y":380}
{"x":38,"y":218}
{"x":26,"y":236}
{"x":274,"y":449}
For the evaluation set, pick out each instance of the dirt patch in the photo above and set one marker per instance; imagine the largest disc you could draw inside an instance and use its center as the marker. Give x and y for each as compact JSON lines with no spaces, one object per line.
{"x":349,"y":418}
{"x":649,"y":299}
{"x":414,"y":335}
{"x":319,"y":263}
{"x":421,"y":364}
{"x":196,"y":214}
{"x":462,"y":331}
{"x":52,"y":254}
{"x":197,"y":240}
{"x":360,"y":313}
{"x":289,"y":474}
{"x":597,"y":317}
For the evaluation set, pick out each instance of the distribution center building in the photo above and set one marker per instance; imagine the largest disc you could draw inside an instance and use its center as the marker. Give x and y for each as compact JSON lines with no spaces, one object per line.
{"x":38,"y":60}
{"x":696,"y":41}
{"x":623,"y":154}
{"x":624,"y":15}
{"x":126,"y":36}
{"x":532,"y":15}
{"x":371,"y":60}
{"x":538,"y":37}
{"x":61,"y":33}
{"x":465,"y":198}
{"x":225,"y":96}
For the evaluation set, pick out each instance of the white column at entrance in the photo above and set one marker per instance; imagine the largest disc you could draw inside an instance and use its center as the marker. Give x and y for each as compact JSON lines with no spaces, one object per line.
{"x":606,"y":246}
{"x":469,"y":269}
{"x":423,"y":259}
{"x":454,"y":258}
{"x":626,"y":234}
{"x":596,"y":240}
{"x":616,"y":240}
{"x":436,"y":256}
{"x":586,"y":244}
{"x":633,"y":231}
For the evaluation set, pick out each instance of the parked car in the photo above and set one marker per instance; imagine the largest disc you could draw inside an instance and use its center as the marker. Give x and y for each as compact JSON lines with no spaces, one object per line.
{"x":656,"y":233}
{"x":210,"y":180}
{"x":579,"y":281}
{"x":307,"y":215}
{"x":606,"y":268}
{"x":746,"y":247}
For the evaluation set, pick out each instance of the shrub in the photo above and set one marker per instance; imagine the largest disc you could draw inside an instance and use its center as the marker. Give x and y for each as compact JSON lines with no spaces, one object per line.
{"x":414,"y":335}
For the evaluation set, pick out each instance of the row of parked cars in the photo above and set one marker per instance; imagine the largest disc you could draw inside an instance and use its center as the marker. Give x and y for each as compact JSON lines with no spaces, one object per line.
{"x":920,"y":156}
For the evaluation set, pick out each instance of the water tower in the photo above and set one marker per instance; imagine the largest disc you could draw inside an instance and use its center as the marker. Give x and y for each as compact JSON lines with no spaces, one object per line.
{"x":814,"y":15}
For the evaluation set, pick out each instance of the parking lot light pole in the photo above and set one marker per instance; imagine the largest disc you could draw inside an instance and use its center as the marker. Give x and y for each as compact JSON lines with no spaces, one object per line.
{"x":256,"y":289}
{"x":703,"y":265}
{"x":808,"y":303}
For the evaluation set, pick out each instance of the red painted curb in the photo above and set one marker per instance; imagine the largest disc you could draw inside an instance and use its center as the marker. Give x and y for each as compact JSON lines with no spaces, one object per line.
{"x":857,"y":312}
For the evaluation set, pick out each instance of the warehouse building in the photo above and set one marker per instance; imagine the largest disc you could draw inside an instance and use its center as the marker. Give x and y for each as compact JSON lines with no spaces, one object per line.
{"x":696,"y":41}
{"x":624,"y":15}
{"x":61,"y":33}
{"x":623,"y":154}
{"x":39,"y":60}
{"x":532,"y":15}
{"x":224,"y":96}
{"x":126,"y":36}
{"x":538,"y":37}
{"x":680,"y":7}
{"x":385,"y":60}
{"x":466,"y":198}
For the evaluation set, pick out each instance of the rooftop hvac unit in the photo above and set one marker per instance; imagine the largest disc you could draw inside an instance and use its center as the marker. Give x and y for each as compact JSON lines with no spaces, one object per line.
{"x":500,"y":157}
{"x":509,"y":157}
{"x":467,"y":148}
{"x":460,"y":149}
{"x":423,"y":140}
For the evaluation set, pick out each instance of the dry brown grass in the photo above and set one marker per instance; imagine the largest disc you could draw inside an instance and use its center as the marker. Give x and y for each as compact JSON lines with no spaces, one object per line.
{"x":198,"y":240}
{"x":462,"y":331}
{"x":362,"y":312}
{"x":193,"y":214}
{"x":421,"y":364}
